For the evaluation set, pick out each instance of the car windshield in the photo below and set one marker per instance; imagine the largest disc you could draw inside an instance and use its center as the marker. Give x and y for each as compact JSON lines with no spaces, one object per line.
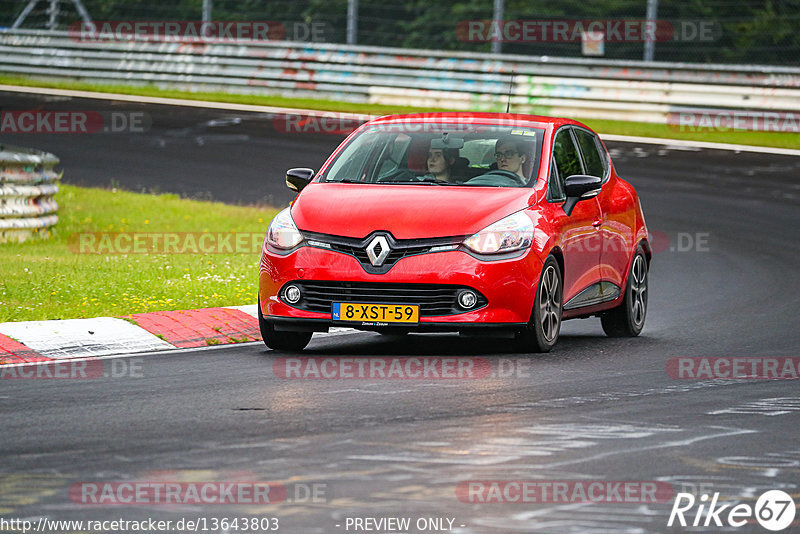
{"x":440,"y":154}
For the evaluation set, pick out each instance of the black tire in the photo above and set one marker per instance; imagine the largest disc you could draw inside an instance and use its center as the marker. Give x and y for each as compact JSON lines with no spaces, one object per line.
{"x":541,"y":333}
{"x":277,"y":340}
{"x":627,"y":319}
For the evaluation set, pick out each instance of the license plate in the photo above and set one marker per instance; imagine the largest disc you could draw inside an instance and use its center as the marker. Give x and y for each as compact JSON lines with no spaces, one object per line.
{"x":375,"y":313}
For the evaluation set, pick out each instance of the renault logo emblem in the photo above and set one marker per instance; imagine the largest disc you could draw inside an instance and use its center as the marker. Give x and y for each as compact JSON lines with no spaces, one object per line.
{"x":377,"y":250}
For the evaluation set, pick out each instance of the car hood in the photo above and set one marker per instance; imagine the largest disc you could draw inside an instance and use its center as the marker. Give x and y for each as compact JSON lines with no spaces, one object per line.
{"x":406,"y":211}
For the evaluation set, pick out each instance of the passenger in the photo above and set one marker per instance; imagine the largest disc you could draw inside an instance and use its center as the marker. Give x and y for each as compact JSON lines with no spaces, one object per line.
{"x":510,"y":156}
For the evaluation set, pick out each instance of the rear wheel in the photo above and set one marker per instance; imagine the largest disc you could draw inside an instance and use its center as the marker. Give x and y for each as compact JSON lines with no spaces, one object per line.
{"x":627,"y":319}
{"x":278,"y":340}
{"x":541,"y":333}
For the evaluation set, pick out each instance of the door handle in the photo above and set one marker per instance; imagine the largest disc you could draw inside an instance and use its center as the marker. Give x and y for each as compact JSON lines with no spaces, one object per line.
{"x":597,"y":223}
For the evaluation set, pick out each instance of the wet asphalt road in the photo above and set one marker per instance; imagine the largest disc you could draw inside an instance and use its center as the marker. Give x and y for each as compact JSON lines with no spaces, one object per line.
{"x":724,"y":285}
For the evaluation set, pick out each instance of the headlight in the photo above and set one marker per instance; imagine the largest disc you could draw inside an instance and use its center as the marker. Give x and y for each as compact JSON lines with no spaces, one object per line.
{"x":515,"y":232}
{"x":282,"y":232}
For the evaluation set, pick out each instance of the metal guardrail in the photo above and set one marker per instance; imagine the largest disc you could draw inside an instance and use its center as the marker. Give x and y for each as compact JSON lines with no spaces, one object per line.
{"x":27,"y":186}
{"x":616,"y":90}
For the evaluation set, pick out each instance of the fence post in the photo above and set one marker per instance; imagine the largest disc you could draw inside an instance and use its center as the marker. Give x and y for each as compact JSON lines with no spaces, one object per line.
{"x":650,"y":44}
{"x":352,"y":21}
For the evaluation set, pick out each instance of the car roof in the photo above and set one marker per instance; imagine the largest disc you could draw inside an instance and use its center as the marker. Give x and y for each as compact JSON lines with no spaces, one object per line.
{"x":509,"y":119}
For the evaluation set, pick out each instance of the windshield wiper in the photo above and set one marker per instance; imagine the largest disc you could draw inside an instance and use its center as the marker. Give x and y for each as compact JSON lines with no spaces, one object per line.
{"x":435,"y":181}
{"x":345,"y":181}
{"x":406,"y":182}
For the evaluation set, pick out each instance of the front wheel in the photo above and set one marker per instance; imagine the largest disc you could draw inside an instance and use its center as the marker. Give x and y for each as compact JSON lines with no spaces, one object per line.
{"x":627,"y":319}
{"x":541,"y":333}
{"x":278,"y":340}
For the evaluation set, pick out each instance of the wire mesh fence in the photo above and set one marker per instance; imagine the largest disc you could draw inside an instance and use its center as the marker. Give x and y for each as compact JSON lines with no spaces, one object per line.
{"x":697,"y":31}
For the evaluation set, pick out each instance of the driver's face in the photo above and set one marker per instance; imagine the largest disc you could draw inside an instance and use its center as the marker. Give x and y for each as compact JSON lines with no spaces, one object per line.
{"x":436,"y":161}
{"x":508,"y":159}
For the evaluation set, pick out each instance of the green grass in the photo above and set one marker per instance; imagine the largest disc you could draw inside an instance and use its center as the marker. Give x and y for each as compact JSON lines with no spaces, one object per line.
{"x":769,"y":139}
{"x":49,"y":279}
{"x":258,"y":100}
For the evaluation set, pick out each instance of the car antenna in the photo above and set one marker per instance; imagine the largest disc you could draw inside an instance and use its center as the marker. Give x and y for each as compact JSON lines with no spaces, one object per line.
{"x":510,"y":82}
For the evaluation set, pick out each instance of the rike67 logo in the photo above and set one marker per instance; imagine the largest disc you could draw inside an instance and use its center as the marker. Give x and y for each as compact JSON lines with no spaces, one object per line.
{"x":774,"y":510}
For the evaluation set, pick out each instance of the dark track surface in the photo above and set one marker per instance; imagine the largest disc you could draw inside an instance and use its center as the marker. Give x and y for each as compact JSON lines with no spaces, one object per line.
{"x":594,"y":408}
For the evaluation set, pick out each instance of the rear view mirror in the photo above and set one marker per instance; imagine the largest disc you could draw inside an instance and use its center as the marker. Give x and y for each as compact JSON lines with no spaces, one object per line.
{"x":297,"y":179}
{"x":445,"y":141}
{"x":580,"y":187}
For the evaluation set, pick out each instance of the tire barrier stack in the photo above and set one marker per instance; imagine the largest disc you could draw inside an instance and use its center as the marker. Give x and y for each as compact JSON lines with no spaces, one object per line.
{"x":27,"y":185}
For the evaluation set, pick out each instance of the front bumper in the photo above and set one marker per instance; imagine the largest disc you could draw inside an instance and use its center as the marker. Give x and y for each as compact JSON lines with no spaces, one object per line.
{"x":509,"y":286}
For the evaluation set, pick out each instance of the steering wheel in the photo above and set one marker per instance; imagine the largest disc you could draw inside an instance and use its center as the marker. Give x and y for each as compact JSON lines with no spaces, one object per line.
{"x":508,"y":174}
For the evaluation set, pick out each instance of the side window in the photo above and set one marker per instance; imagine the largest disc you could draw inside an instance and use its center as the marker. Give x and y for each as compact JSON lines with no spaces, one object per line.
{"x":566,"y":155}
{"x":555,"y":185}
{"x":591,"y":155}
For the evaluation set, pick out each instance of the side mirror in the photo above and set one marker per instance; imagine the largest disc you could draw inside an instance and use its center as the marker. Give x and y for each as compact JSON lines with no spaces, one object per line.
{"x":297,"y":179}
{"x":580,"y":187}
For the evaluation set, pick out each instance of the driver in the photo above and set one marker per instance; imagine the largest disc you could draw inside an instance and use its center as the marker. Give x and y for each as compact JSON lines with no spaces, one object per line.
{"x":440,"y":163}
{"x":510,"y":157}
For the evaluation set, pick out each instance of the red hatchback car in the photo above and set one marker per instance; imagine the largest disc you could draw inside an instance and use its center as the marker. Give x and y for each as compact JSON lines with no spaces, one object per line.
{"x":479,"y":223}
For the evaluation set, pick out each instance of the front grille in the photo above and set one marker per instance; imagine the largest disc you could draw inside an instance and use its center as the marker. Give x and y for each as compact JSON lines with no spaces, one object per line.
{"x":394,"y":256}
{"x":433,"y":299}
{"x":399,"y":248}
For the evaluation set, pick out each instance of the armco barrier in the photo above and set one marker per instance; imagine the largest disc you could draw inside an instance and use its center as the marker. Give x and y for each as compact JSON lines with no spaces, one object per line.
{"x":27,"y":186}
{"x":576,"y":87}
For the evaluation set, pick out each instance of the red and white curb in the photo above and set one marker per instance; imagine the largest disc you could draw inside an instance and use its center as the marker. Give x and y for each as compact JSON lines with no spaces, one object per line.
{"x":42,"y":341}
{"x":35,"y":341}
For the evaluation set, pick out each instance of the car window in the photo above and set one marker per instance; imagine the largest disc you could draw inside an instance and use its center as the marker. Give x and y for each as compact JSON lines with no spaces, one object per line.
{"x":555,"y":185}
{"x":566,"y":155}
{"x":351,"y":161}
{"x":591,"y":155}
{"x":391,"y":162}
{"x":479,"y":152}
{"x":399,"y":154}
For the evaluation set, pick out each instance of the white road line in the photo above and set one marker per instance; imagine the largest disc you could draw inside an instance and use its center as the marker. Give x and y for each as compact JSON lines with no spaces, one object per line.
{"x":700,"y":144}
{"x":358,"y":116}
{"x":726,"y":432}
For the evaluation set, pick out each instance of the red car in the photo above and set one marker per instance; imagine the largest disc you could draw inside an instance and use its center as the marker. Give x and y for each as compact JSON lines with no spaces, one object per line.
{"x":479,"y":223}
